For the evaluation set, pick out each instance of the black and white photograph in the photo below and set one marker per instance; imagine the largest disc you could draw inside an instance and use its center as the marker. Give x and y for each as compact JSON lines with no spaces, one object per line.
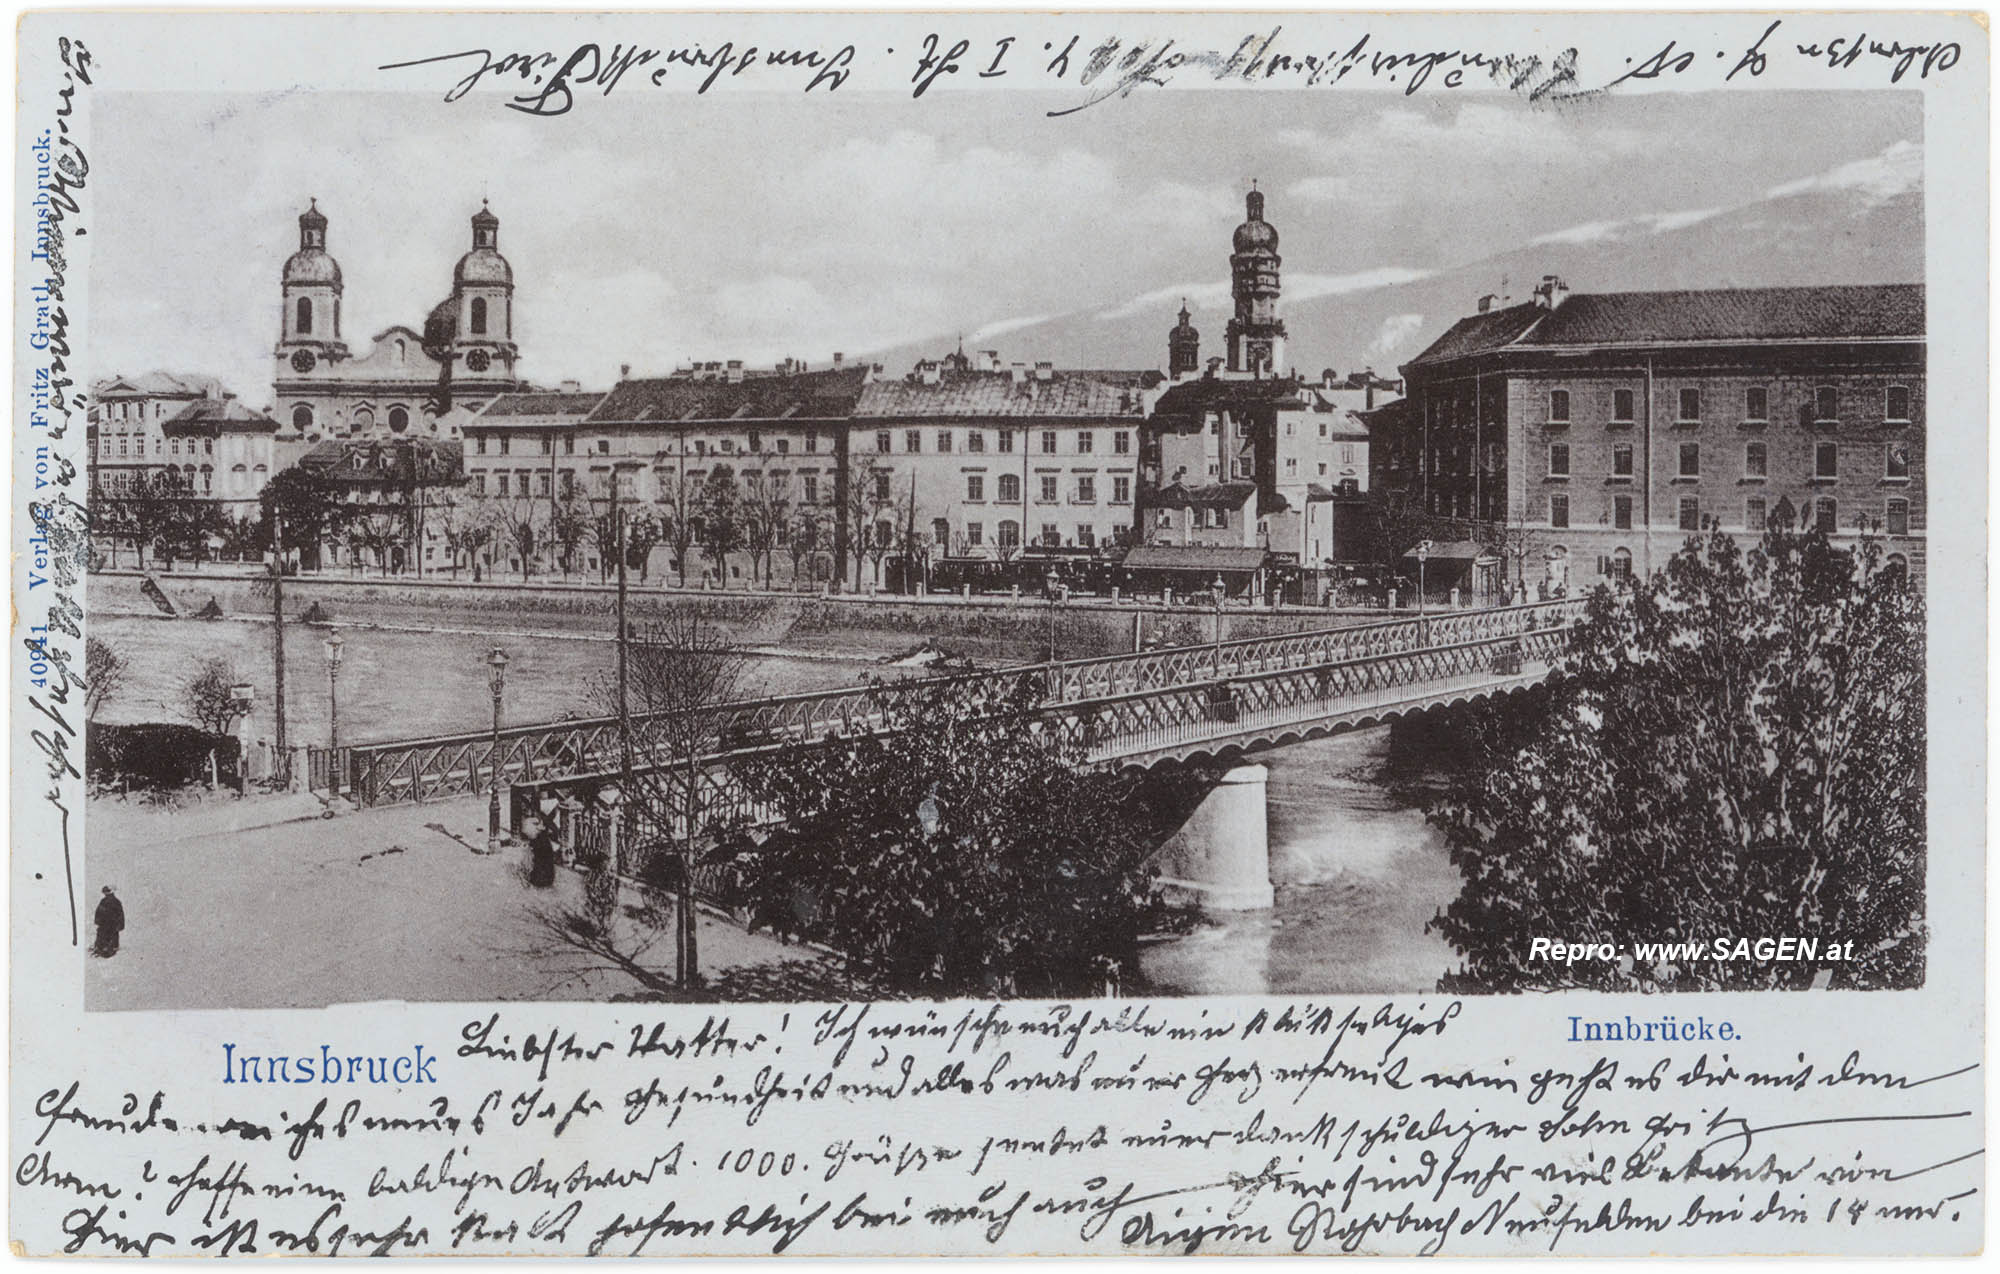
{"x":919,"y":559}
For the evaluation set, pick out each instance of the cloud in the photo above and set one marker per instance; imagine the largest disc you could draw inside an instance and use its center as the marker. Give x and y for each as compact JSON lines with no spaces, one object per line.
{"x":1897,"y":170}
{"x":1628,"y":227}
{"x":1000,"y":327}
{"x":1395,"y":332}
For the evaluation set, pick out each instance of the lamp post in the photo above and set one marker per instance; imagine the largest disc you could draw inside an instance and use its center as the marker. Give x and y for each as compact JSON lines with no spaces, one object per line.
{"x":496,"y":679}
{"x":334,"y":641}
{"x":1423,"y":622}
{"x":1050,"y":583}
{"x":1218,"y":588}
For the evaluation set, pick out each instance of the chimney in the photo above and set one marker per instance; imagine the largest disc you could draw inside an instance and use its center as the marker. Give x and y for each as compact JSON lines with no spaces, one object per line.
{"x":1214,"y":366}
{"x":1328,"y":378}
{"x":572,"y":387}
{"x":837,"y":359}
{"x":1551,"y":292}
{"x":1045,"y":370}
{"x":1486,"y":302}
{"x":989,"y":360}
{"x":624,"y":371}
{"x":734,"y":374}
{"x":1020,"y":373}
{"x":929,"y":372}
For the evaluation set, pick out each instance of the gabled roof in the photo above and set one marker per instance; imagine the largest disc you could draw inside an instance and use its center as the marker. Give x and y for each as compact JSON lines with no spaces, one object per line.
{"x":1191,"y":399}
{"x":809,"y":395}
{"x":1216,"y":495}
{"x":1854,"y":312}
{"x":1065,"y":395}
{"x":538,"y":407}
{"x":161,"y":385}
{"x":213,"y":416}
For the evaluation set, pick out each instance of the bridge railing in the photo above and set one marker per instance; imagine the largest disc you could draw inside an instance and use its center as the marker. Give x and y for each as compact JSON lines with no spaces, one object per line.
{"x":460,"y":764}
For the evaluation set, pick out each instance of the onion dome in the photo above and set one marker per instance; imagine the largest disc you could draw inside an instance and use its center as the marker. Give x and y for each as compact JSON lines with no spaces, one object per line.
{"x":1256,"y":234}
{"x":312,"y":263}
{"x":484,"y":265}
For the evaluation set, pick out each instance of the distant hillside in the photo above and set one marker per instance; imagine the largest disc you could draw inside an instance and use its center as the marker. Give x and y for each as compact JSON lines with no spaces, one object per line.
{"x":1383,"y":317}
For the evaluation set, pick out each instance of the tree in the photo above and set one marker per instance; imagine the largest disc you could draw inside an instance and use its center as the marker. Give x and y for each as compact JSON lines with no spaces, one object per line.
{"x":570,"y":523}
{"x":642,"y":535}
{"x":205,"y":696}
{"x":805,"y":540}
{"x":767,"y":511}
{"x":464,"y":526}
{"x":969,"y":852}
{"x":310,"y":508}
{"x":104,"y":672}
{"x":165,"y":514}
{"x":719,"y":514}
{"x":865,"y":497}
{"x":678,"y":513}
{"x":517,"y":522}
{"x":1733,"y":748}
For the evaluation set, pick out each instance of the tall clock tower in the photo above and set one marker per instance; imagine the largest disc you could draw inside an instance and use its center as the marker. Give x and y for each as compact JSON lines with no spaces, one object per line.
{"x":309,"y":332}
{"x":482,"y":290}
{"x":1256,"y":334}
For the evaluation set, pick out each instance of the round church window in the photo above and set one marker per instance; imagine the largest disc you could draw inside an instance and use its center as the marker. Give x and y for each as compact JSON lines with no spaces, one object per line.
{"x":478,"y":360}
{"x":303,"y":360}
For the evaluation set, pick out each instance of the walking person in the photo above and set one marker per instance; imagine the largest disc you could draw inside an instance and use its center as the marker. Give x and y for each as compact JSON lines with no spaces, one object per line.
{"x":541,"y":850}
{"x":110,"y":918}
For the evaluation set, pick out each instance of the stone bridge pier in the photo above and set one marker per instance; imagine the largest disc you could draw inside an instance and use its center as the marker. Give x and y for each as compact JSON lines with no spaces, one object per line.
{"x":1220,"y":858}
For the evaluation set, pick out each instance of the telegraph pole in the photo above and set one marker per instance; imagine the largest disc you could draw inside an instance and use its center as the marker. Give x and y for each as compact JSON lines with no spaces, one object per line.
{"x":278,"y":642}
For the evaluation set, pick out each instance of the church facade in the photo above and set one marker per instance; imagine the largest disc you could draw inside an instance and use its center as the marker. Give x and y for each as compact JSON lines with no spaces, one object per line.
{"x":408,"y":383}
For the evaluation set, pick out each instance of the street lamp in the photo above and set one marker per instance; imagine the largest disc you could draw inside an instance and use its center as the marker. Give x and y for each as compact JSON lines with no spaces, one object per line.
{"x":334,"y":641}
{"x":1423,"y":623}
{"x":1219,"y":588}
{"x":1050,"y":583}
{"x":496,"y":678}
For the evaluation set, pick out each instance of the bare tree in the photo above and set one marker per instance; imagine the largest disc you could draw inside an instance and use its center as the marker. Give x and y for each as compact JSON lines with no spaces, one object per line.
{"x":806,"y":538}
{"x":104,"y":672}
{"x":517,"y":519}
{"x":678,"y":511}
{"x":205,"y":696}
{"x":569,"y":526}
{"x":720,"y":519}
{"x":767,"y":510}
{"x":866,"y":496}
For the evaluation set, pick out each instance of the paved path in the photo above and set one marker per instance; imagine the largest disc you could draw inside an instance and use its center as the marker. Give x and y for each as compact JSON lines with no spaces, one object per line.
{"x":387,"y":904}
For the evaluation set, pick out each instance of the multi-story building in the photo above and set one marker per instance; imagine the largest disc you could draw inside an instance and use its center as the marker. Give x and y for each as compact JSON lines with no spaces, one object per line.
{"x":1607,"y":428}
{"x":393,"y":493}
{"x":408,"y":383}
{"x":239,"y":450}
{"x":127,"y":435}
{"x":982,"y":459}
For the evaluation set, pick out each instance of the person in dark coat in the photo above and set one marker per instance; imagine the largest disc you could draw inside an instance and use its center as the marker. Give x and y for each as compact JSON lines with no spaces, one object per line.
{"x":110,"y":919}
{"x":541,"y":850}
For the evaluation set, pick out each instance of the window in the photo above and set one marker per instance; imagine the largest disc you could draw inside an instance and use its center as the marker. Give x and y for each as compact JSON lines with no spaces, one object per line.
{"x":1755,"y":513}
{"x":569,"y":444}
{"x":728,"y":446}
{"x":305,"y":316}
{"x":1085,"y":442}
{"x":1291,"y":466}
{"x":1086,"y":536}
{"x":521,"y":482}
{"x":1690,"y":460}
{"x":1558,"y":510}
{"x":542,"y":482}
{"x":913,"y":441}
{"x":809,"y":488}
{"x":1121,"y":490}
{"x":1048,"y":442}
{"x":1690,"y":514}
{"x":784,"y":446}
{"x":1621,"y":512}
{"x":1756,"y":403}
{"x":122,"y":444}
{"x":1899,"y":517}
{"x":1690,"y":405}
{"x":1826,"y":460}
{"x":479,"y":316}
{"x":1006,"y":440}
{"x":1826,"y":515}
{"x":756,"y":441}
{"x":1010,"y":534}
{"x":1558,"y":460}
{"x":812,"y":439}
{"x":566,"y":483}
{"x":1121,"y":442}
{"x":478,"y":482}
{"x":548,"y":445}
{"x":975,"y":534}
{"x":1826,"y":404}
{"x":503,"y":441}
{"x":1221,"y":519}
{"x":302,"y":418}
{"x":883,"y":533}
{"x":1755,"y":463}
{"x":1620,"y":566}
{"x":1010,"y":488}
{"x":975,"y":488}
{"x":882,"y":442}
{"x":1896,"y":403}
{"x":1896,"y":462}
{"x":881,"y":488}
{"x":975,"y":440}
{"x":1346,"y":455}
{"x":1048,"y":489}
{"x":944,"y":441}
{"x":1558,"y":406}
{"x":1621,"y":406}
{"x":1086,"y":489}
{"x":175,"y":445}
{"x":1621,"y":460}
{"x":1051,"y":535}
{"x":941,"y":533}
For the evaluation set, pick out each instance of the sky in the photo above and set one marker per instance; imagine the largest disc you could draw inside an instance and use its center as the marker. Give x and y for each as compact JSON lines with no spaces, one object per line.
{"x":652,"y":230}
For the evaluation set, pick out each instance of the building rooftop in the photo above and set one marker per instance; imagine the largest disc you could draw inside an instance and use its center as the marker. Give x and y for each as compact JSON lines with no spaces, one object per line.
{"x":1215,"y":495}
{"x":537,"y":408}
{"x":1852,"y":312}
{"x":217,"y":415}
{"x":160,"y":385}
{"x":372,"y":460}
{"x":1046,"y":395}
{"x":810,"y":395}
{"x":1193,"y":557}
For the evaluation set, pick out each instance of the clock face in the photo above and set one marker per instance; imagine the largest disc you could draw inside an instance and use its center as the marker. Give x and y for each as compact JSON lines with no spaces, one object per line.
{"x":478,"y":360}
{"x":303,"y":360}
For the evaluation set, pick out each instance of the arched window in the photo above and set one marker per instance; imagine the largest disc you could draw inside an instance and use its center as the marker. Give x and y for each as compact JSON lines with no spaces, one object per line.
{"x":402,"y":350}
{"x":207,"y":479}
{"x":302,"y":417}
{"x":479,"y":316}
{"x":1010,"y":488}
{"x":1621,"y":563}
{"x":1010,"y":534}
{"x":305,"y":316}
{"x":364,"y":419}
{"x":399,"y":419}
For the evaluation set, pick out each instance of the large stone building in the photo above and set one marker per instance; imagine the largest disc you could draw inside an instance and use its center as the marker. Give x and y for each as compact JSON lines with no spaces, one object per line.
{"x":409,"y":382}
{"x":1606,"y":428}
{"x":126,"y":426}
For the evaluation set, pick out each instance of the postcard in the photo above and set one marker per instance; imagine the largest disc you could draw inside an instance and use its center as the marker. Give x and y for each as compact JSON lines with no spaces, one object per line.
{"x":1008,"y":633}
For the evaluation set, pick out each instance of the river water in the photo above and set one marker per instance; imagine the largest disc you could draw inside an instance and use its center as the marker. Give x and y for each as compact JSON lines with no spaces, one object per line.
{"x":1358,"y":872}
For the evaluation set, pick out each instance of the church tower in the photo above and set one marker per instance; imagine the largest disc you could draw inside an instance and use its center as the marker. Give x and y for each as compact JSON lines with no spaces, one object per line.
{"x":309,"y":332}
{"x":482,"y":292}
{"x":1256,"y":334}
{"x":1183,"y":347}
